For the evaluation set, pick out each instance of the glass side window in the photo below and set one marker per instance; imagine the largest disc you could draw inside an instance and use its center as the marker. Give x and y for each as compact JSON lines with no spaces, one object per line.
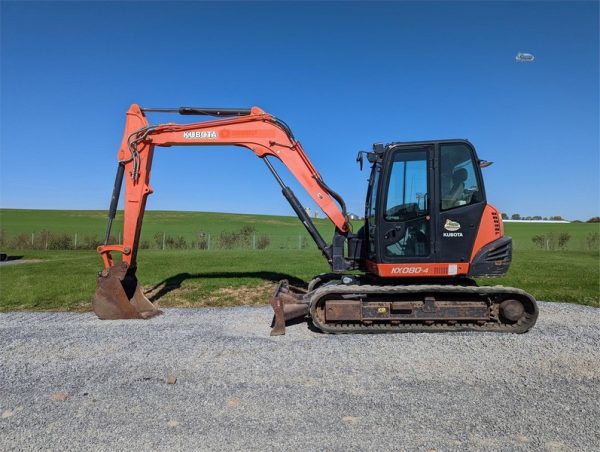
{"x":413,"y":243}
{"x":372,"y":210}
{"x":407,"y":187}
{"x":406,"y":203}
{"x":458,"y":179}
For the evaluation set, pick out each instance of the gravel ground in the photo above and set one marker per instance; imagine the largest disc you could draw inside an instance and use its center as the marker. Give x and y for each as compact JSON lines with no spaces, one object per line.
{"x":238,"y":388}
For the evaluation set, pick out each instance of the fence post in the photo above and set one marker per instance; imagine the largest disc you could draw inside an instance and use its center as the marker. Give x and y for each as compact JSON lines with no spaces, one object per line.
{"x":46,"y":240}
{"x":208,"y":242}
{"x":299,"y":241}
{"x":254,"y":241}
{"x":163,"y":246}
{"x":75,"y":245}
{"x":119,"y":239}
{"x":32,"y":235}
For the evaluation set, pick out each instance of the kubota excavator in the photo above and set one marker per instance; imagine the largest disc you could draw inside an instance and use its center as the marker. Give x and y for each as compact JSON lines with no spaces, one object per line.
{"x":428,"y":232}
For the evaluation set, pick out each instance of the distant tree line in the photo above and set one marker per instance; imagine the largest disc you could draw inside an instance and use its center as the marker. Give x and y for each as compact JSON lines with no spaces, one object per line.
{"x":516,"y":216}
{"x":552,"y":241}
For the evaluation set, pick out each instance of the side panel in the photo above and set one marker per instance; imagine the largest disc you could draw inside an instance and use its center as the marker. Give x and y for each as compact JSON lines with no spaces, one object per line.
{"x":492,"y":259}
{"x":490,"y":228}
{"x":418,"y":270}
{"x":457,"y":232}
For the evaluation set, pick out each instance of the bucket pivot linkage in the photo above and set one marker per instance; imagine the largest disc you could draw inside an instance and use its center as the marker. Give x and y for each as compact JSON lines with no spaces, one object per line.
{"x":118,"y":296}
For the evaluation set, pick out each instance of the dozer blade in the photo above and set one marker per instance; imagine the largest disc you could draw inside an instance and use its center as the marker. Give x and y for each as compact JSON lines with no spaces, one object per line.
{"x":111,"y":301}
{"x":286,"y":306}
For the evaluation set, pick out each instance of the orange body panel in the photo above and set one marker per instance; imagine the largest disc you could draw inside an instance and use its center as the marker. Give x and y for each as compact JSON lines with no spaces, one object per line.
{"x":259,"y":132}
{"x":490,"y":228}
{"x":417,"y":270}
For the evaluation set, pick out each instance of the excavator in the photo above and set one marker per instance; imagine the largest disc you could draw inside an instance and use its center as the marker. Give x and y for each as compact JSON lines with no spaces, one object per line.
{"x":428,"y":231}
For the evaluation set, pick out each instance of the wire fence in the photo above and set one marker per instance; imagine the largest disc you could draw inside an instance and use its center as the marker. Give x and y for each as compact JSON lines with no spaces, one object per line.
{"x":234,"y":240}
{"x":246,"y":238}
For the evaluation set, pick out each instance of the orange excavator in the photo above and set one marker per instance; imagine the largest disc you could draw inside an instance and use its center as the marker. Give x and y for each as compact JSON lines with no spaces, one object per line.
{"x":428,"y":231}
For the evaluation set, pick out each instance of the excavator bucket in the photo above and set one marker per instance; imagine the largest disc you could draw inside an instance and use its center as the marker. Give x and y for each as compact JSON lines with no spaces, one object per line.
{"x":111,"y":301}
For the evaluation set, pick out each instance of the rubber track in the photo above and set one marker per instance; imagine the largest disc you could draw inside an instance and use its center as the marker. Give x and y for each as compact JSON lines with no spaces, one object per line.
{"x":522,"y":326}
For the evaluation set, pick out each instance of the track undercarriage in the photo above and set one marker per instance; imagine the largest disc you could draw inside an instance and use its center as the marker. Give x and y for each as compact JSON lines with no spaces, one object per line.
{"x":337,"y":308}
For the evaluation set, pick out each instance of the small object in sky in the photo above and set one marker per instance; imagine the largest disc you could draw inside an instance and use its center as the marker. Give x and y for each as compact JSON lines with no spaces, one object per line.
{"x":524,"y":57}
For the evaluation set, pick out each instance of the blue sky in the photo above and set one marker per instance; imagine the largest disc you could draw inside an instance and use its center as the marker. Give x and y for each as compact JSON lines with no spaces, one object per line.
{"x":343,"y":75}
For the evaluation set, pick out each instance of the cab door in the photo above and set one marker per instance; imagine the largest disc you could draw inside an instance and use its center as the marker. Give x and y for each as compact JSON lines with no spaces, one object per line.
{"x":461,"y":200}
{"x":405,"y":220}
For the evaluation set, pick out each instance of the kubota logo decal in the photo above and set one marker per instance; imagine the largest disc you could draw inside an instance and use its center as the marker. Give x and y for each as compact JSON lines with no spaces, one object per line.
{"x":451,"y":225}
{"x":452,"y":234}
{"x":197,"y":134}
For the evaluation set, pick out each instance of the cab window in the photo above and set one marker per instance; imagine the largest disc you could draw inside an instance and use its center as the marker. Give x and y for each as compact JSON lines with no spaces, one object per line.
{"x":372,"y":209}
{"x":458,"y":180}
{"x":407,"y":187}
{"x":406,"y":203}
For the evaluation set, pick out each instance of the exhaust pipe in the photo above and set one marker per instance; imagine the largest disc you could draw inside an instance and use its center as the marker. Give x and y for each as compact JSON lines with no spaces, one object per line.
{"x":111,"y":301}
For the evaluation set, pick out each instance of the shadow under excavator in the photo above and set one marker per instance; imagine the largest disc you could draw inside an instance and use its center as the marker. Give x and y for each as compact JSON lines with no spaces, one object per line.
{"x":174,"y":282}
{"x":7,"y":258}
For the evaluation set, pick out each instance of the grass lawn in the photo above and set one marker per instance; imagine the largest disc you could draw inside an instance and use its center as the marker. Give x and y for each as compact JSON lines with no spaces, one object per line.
{"x":569,"y":276}
{"x":522,"y":234}
{"x":66,"y":279}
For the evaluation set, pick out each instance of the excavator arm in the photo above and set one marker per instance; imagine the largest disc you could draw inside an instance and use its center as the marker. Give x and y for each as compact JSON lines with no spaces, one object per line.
{"x":253,"y":129}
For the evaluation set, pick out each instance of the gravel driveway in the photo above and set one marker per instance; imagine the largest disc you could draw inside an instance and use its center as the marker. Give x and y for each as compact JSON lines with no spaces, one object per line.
{"x":239,"y":389}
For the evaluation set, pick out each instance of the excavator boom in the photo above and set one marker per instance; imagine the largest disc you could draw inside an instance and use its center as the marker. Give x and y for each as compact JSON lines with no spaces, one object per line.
{"x":251,"y":128}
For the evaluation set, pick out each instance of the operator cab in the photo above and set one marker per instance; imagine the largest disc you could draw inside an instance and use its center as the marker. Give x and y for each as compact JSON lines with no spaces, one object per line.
{"x":424,"y":202}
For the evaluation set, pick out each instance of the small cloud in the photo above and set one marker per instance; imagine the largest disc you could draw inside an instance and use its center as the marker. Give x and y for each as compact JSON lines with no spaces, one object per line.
{"x":524,"y":57}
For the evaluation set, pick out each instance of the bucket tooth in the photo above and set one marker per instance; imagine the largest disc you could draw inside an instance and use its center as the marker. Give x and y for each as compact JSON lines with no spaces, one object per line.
{"x":111,"y":302}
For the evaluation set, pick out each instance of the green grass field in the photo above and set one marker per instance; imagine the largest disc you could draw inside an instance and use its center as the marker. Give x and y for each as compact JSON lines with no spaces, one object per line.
{"x":284,"y":232}
{"x":66,"y":279}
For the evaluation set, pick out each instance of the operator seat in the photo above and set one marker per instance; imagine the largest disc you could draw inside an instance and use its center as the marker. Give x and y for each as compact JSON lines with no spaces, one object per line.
{"x":459,"y":177}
